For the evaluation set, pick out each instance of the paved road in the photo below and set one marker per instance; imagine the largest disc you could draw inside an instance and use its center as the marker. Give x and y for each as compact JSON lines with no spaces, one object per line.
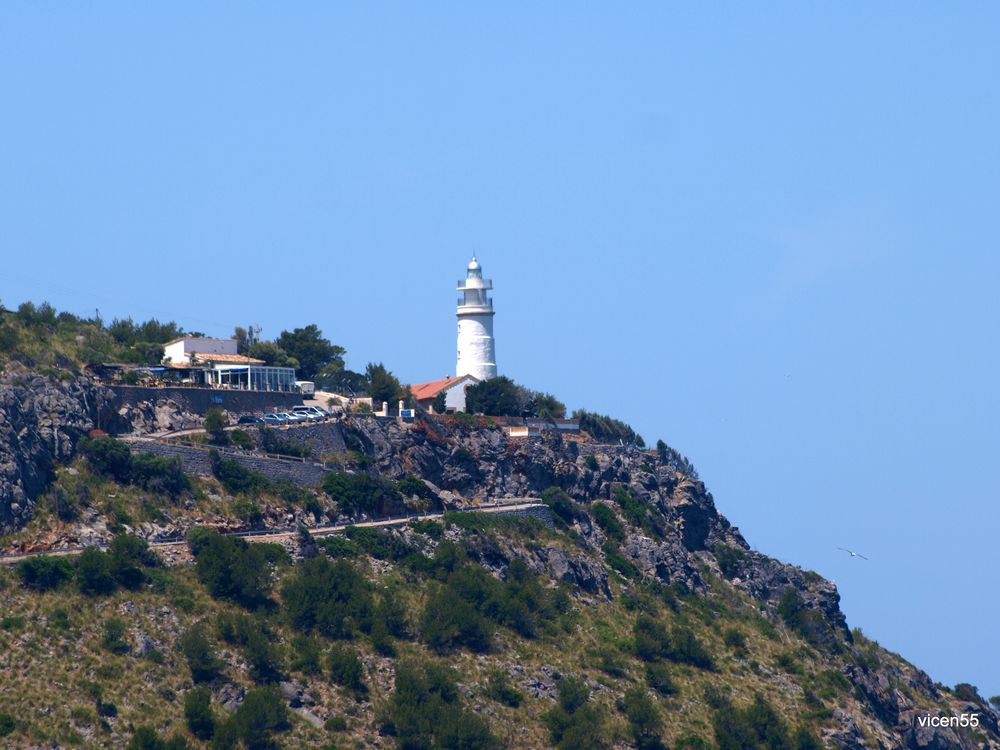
{"x":279,"y":534}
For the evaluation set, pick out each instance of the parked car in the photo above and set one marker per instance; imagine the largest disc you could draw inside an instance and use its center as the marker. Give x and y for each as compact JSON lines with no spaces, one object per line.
{"x":289,"y":417}
{"x":277,"y":418}
{"x":250,"y":419}
{"x":312,"y":413}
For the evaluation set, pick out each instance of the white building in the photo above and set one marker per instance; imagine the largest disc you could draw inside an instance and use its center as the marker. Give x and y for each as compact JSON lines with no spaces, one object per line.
{"x":224,"y":368}
{"x":476,"y":349}
{"x":182,"y":351}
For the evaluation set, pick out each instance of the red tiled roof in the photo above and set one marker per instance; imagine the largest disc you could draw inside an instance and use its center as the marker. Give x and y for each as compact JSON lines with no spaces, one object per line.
{"x":232,"y":358}
{"x":432,"y":388}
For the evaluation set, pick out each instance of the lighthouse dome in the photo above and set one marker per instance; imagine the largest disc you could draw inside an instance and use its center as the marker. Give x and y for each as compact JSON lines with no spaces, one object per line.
{"x":474,"y":264}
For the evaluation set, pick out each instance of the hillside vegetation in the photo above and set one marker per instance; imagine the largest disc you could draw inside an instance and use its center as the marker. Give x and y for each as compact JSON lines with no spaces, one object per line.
{"x":476,"y":632}
{"x":631,"y":614}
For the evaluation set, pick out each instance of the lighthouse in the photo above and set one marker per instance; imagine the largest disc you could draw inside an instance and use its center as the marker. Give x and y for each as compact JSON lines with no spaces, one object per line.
{"x":476,"y":352}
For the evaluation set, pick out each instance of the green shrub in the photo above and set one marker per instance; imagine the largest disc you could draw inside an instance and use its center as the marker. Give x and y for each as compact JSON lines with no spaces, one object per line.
{"x":561,"y":504}
{"x":653,"y":642}
{"x":658,"y":678}
{"x":457,"y":614}
{"x":526,"y":527}
{"x":63,"y":504}
{"x":45,"y":572}
{"x":575,"y":722}
{"x":216,"y":423}
{"x":729,"y":559}
{"x":12,"y":622}
{"x":634,"y":511}
{"x":345,"y":668}
{"x":250,"y":513}
{"x":449,"y":621}
{"x":336,"y":724}
{"x":200,"y":655}
{"x":500,"y":689}
{"x":361,"y":493}
{"x":339,"y":546}
{"x":306,"y":656}
{"x":808,"y":622}
{"x":7,"y":724}
{"x":687,"y":649}
{"x":691,"y":742}
{"x":95,"y":573}
{"x":271,"y":441}
{"x":236,"y":478}
{"x":160,"y":475}
{"x":610,"y":661}
{"x":966,"y":692}
{"x":330,"y":598}
{"x":756,"y":727}
{"x":231,"y":568}
{"x":735,"y":640}
{"x":643,"y":719}
{"x":608,"y":521}
{"x":606,"y":429}
{"x":108,"y":457}
{"x":198,"y":713}
{"x":432,"y":529}
{"x":241,"y":439}
{"x":411,"y":486}
{"x":381,"y":544}
{"x":591,"y":462}
{"x":262,"y":713}
{"x":146,"y":738}
{"x":112,"y":637}
{"x":59,"y":618}
{"x":624,"y":567}
{"x":391,"y":612}
{"x":112,"y":459}
{"x":263,"y":657}
{"x":425,"y":711}
{"x":127,"y":558}
{"x":651,"y":639}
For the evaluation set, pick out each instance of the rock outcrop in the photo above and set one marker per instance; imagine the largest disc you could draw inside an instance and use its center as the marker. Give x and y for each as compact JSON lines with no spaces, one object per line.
{"x":41,"y":421}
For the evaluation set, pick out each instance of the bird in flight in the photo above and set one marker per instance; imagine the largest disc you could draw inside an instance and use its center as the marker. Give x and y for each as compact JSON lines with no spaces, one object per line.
{"x":852,"y":553}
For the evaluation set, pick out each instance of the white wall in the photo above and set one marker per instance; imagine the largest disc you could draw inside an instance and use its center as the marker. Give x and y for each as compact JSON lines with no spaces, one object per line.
{"x":476,"y":350}
{"x":180,"y":352}
{"x":454,"y":397}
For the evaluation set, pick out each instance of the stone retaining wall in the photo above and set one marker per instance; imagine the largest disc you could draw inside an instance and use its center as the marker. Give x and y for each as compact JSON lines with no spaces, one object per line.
{"x":200,"y":400}
{"x":197,"y":461}
{"x":322,"y":439}
{"x":541,"y":512}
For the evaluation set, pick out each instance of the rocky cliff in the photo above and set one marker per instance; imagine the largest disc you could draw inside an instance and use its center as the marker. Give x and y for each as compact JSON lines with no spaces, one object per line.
{"x":42,"y":419}
{"x":631,"y":518}
{"x":677,"y":538}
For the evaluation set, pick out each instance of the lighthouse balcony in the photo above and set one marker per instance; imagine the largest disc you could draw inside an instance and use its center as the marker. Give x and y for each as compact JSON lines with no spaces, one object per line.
{"x":474,"y":285}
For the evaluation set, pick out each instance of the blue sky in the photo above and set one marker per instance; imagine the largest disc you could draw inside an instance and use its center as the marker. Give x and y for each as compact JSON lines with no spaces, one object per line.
{"x":767,"y":235}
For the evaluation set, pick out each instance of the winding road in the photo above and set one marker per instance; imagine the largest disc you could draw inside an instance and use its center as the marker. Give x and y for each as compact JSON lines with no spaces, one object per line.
{"x":274,"y":535}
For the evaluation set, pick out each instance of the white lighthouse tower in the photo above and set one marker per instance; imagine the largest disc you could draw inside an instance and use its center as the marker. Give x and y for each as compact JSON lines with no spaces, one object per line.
{"x":476,"y":352}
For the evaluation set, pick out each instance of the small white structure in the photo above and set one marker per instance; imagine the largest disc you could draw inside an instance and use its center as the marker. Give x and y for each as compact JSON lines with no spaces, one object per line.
{"x":182,"y":351}
{"x":453,"y":389}
{"x":476,"y":348}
